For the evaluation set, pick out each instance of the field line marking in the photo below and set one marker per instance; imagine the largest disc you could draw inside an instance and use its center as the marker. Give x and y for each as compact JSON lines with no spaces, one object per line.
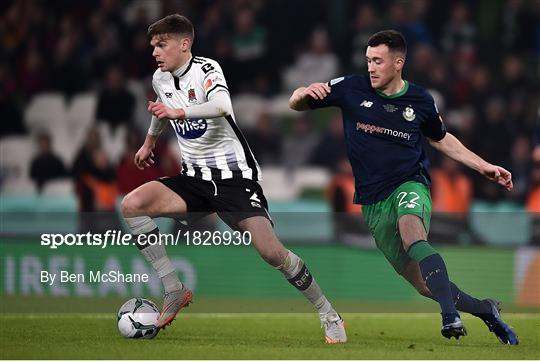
{"x":112,"y":316}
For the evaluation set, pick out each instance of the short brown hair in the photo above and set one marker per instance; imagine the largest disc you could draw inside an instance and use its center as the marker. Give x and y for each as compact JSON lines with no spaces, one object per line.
{"x":172,"y":24}
{"x":394,"y":40}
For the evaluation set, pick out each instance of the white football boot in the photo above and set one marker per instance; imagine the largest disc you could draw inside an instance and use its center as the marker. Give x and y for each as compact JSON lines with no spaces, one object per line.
{"x":334,"y":328}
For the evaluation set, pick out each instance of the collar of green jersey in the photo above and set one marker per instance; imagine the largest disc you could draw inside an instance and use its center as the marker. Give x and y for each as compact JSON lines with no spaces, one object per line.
{"x":395,"y":95}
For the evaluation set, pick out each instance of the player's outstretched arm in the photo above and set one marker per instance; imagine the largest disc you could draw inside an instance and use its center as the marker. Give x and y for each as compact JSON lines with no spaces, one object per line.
{"x":300,"y":97}
{"x":454,"y":149}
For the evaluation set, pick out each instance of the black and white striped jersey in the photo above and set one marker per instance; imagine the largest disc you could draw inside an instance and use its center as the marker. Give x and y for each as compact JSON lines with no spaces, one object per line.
{"x":212,"y":149}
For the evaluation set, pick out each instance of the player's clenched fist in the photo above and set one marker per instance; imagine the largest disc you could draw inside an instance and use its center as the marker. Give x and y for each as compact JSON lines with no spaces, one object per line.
{"x":160,"y":110}
{"x":144,"y":157}
{"x":317,"y":90}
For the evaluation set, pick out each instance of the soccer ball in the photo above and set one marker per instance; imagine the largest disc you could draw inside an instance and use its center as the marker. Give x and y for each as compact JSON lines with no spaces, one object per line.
{"x":137,"y":318}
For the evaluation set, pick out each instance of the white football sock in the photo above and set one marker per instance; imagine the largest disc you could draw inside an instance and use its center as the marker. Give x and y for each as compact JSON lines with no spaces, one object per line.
{"x":298,"y":275}
{"x":155,"y":254}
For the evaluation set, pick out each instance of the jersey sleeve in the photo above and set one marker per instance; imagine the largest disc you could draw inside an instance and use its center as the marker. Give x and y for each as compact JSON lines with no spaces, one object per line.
{"x":433,"y":125}
{"x":155,"y":86}
{"x":213,"y":78}
{"x":338,"y":87}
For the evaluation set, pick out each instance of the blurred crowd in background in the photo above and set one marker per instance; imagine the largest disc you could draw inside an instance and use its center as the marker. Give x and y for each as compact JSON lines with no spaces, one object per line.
{"x":479,"y":59}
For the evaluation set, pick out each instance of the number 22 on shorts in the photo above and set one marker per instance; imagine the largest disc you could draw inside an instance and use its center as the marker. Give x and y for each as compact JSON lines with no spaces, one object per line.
{"x":408,"y":199}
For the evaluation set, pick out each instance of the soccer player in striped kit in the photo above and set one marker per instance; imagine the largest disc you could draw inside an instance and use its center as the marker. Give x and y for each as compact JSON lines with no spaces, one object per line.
{"x":219,"y":173}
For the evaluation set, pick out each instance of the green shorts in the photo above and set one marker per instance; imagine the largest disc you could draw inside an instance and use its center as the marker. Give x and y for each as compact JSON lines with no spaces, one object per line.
{"x":411,"y":197}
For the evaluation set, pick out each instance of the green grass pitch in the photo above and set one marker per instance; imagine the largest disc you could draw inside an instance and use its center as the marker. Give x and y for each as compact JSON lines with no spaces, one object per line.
{"x":260,"y":336}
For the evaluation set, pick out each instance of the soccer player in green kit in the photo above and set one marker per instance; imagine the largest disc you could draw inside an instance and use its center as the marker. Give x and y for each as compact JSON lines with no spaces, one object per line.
{"x":384,"y":119}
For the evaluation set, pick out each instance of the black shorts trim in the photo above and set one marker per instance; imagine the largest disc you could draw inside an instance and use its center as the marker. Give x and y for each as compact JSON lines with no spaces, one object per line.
{"x":232,"y":199}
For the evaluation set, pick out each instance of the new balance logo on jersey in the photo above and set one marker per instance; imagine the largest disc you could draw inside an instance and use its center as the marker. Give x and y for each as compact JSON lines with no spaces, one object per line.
{"x":366,"y":104}
{"x":168,"y":94}
{"x":190,"y":128}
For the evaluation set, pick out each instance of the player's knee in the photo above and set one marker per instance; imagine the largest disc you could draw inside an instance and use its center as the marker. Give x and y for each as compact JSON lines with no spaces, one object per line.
{"x":411,"y":229}
{"x":132,"y":205}
{"x":273,"y":257}
{"x":424,"y":291}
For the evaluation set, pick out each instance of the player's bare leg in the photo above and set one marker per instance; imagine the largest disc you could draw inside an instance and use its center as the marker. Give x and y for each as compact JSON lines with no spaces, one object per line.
{"x":293,"y":268}
{"x":433,"y":272}
{"x":138,"y":207}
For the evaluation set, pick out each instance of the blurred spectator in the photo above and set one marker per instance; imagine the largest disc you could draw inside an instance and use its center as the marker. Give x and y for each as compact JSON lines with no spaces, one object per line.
{"x":516,"y":27}
{"x":32,"y":74}
{"x":96,"y":188}
{"x":481,"y":87}
{"x":140,"y":50}
{"x":364,"y":24}
{"x":518,"y":89}
{"x":439,"y":79}
{"x":68,"y":72}
{"x":536,"y":137}
{"x":492,"y":134}
{"x":514,"y":76}
{"x":129,"y":177}
{"x":115,"y":103}
{"x":317,"y":64}
{"x":112,"y":13}
{"x":210,"y":32}
{"x":464,"y":63}
{"x":106,"y":45}
{"x":535,"y":28}
{"x":451,"y":189}
{"x":299,"y":144}
{"x":417,"y":30}
{"x":408,"y":17}
{"x":459,"y":32}
{"x":331,"y":147}
{"x":139,"y":44}
{"x":422,"y":58}
{"x":10,"y":107}
{"x":349,"y":227}
{"x":340,"y":192}
{"x":265,"y":141}
{"x":249,"y":48}
{"x":491,"y":142}
{"x":10,"y":111}
{"x":45,"y":165}
{"x":463,"y":122}
{"x":452,"y":193}
{"x":398,"y":15}
{"x":101,"y":180}
{"x":93,"y":175}
{"x":533,"y":197}
{"x":519,"y":164}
